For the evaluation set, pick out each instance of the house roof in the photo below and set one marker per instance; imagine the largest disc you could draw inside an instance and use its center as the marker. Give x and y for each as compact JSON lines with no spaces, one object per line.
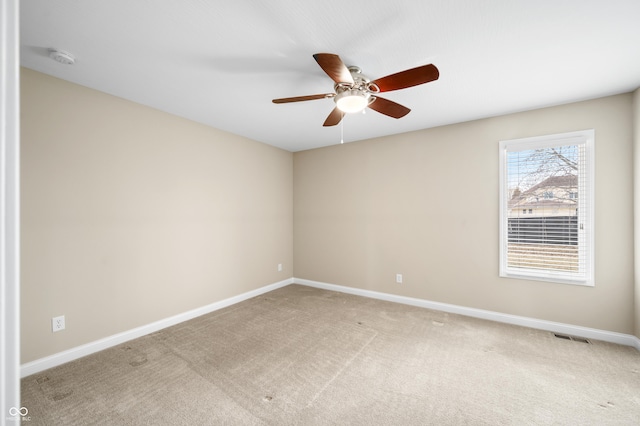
{"x":565,"y":181}
{"x":533,"y":199}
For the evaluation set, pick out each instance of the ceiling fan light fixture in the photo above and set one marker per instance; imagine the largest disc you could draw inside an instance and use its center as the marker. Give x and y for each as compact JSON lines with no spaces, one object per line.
{"x":354,"y":91}
{"x":352,"y":101}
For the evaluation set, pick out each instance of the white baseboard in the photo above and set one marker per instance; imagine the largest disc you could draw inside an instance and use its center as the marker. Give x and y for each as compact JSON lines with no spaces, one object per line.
{"x":60,"y":358}
{"x":636,"y":342}
{"x":117,"y":339}
{"x":573,"y":330}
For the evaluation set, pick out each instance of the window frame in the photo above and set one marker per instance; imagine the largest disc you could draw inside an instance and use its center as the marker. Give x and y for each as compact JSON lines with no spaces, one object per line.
{"x":586,"y":203}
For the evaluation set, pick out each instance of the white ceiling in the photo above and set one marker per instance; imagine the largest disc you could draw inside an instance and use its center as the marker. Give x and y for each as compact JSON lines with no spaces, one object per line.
{"x":222,"y":62}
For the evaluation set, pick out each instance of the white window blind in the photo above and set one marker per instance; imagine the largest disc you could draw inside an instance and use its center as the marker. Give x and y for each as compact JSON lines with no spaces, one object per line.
{"x":546,"y":208}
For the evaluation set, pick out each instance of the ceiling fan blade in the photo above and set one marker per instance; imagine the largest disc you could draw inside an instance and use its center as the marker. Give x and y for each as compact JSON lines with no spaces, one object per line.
{"x":390,"y":108}
{"x":334,"y":118}
{"x":408,"y":78}
{"x":334,"y":67}
{"x":303,"y":98}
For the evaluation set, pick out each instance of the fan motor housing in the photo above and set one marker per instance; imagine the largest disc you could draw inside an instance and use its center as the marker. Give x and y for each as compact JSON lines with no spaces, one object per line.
{"x":360,"y":82}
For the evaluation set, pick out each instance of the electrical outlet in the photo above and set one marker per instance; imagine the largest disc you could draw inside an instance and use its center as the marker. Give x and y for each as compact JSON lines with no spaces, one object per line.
{"x":399,"y":278}
{"x":57,"y":323}
{"x":279,"y":267}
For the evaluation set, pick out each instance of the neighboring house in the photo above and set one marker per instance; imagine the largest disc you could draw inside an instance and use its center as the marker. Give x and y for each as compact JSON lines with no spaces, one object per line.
{"x":546,"y":213}
{"x":554,"y":196}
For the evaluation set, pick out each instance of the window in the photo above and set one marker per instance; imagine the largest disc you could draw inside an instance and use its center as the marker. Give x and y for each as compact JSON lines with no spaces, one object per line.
{"x":551,"y":177}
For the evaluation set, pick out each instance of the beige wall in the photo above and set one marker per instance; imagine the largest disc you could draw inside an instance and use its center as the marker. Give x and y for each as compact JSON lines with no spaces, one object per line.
{"x":425,"y":204}
{"x":131,"y":215}
{"x":636,"y":180}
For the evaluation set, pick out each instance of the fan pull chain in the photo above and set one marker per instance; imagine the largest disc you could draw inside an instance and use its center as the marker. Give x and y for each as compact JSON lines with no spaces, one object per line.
{"x":342,"y":130}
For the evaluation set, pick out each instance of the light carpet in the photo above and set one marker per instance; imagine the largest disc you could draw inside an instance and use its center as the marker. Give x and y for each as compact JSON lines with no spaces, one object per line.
{"x":305,"y":356}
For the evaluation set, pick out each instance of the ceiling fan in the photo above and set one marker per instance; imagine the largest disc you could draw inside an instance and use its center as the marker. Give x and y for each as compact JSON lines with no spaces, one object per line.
{"x":354,"y":91}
